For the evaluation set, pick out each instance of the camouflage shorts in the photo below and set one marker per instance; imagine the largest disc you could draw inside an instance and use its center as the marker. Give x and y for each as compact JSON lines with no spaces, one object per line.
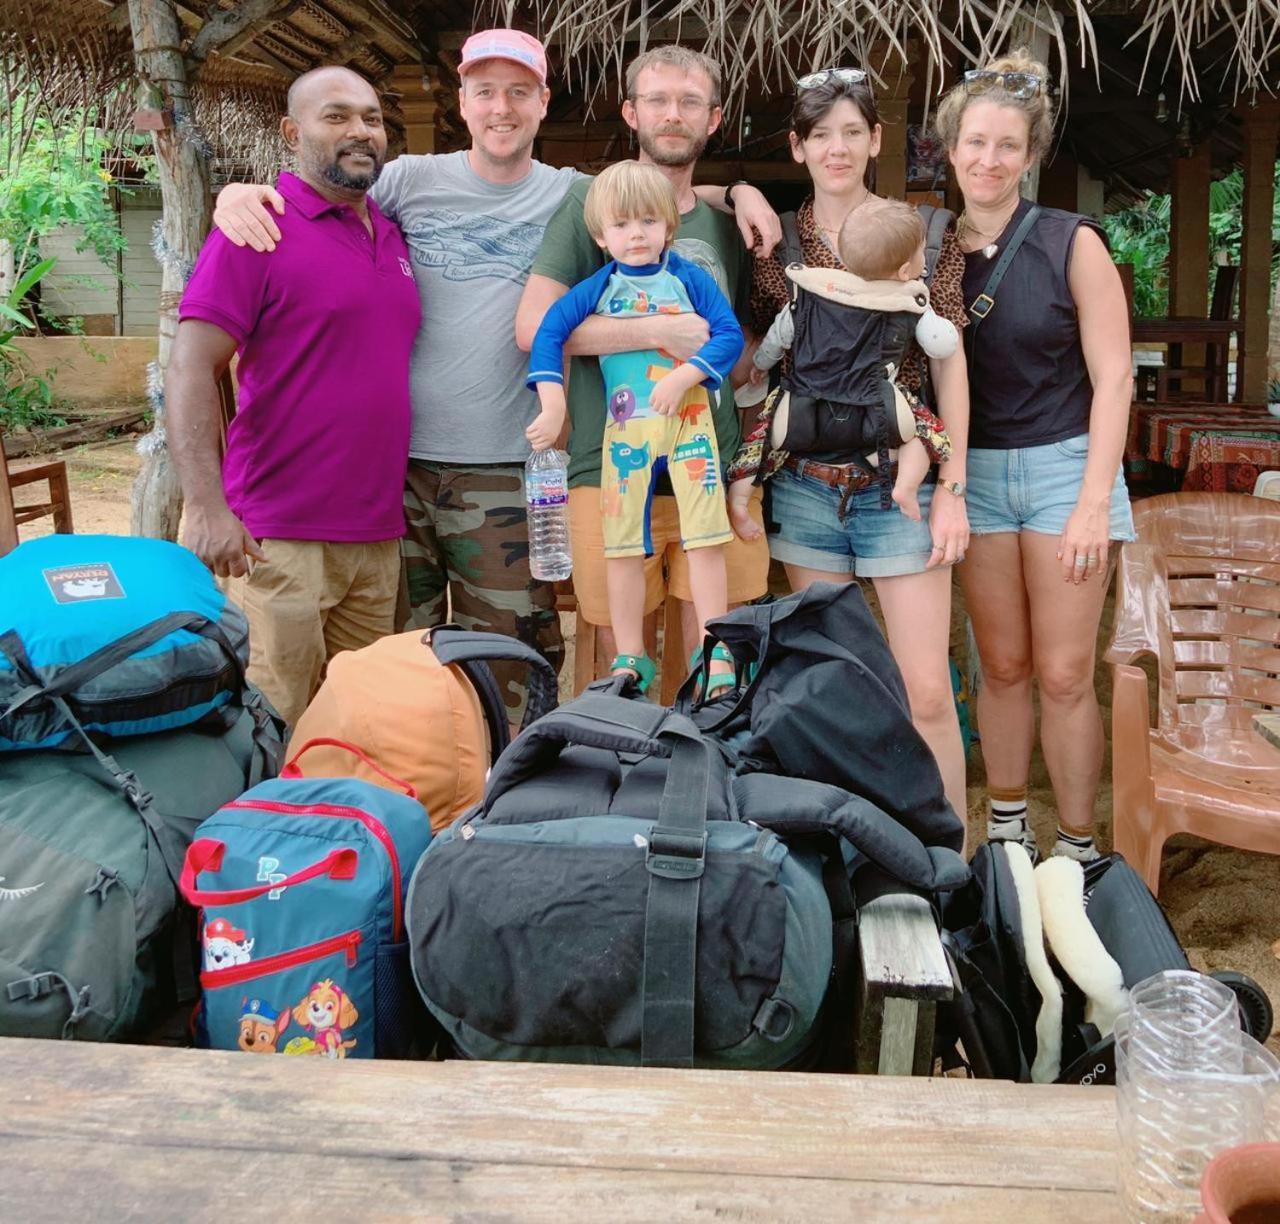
{"x":466,"y":560}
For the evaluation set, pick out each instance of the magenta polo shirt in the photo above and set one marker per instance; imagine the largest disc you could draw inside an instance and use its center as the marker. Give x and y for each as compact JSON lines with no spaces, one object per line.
{"x":324,"y":326}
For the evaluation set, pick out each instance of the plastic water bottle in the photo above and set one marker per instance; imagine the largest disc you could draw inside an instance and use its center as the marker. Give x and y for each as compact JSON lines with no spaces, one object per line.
{"x":546,"y":489}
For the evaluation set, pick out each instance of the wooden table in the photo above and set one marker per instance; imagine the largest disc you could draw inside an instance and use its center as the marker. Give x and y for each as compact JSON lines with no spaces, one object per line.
{"x":1163,"y":433}
{"x":1176,"y":331}
{"x":103,"y":1132}
{"x":1222,"y":461}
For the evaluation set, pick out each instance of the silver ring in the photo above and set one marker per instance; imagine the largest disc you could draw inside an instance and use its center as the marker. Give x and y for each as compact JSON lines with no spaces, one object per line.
{"x":1081,"y":562}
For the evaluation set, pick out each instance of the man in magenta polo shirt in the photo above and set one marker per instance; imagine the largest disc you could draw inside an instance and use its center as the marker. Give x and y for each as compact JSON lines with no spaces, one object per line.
{"x":303,"y":516}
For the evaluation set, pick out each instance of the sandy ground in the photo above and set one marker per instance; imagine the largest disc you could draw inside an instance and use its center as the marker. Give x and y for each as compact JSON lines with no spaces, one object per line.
{"x":1223,"y":903}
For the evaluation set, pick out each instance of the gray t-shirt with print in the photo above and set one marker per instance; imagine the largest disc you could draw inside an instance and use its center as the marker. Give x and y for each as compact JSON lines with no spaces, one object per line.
{"x":471,"y":243}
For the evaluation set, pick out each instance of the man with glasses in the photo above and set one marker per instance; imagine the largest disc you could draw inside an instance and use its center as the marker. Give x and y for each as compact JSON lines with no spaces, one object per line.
{"x":673,"y":107}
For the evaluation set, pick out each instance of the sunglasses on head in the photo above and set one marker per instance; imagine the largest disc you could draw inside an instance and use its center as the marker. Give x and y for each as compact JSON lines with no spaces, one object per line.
{"x":1015,"y":84}
{"x":846,"y":76}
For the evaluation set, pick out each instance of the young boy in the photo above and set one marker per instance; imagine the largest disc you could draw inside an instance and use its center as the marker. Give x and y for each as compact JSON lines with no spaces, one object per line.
{"x":659,"y":417}
{"x":882,"y":246}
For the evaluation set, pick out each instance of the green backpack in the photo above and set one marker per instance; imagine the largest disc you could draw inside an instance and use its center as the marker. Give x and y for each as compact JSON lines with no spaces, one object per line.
{"x":92,"y":942}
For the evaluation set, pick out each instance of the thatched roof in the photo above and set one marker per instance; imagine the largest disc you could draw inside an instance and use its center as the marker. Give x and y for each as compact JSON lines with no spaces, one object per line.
{"x":1203,"y":55}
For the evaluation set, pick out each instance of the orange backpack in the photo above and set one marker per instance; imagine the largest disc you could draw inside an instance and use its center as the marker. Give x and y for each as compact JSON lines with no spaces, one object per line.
{"x":423,"y":706}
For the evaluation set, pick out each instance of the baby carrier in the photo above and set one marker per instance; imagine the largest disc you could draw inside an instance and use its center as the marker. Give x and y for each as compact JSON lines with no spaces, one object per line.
{"x":1043,"y":961}
{"x":840,"y":396}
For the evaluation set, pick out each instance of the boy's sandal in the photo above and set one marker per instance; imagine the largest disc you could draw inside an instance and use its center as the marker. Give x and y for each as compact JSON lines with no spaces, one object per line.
{"x":641,"y":665}
{"x":715,"y":680}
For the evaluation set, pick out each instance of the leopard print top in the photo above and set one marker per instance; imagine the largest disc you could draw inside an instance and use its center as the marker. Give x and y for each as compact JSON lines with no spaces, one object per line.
{"x":770,"y":289}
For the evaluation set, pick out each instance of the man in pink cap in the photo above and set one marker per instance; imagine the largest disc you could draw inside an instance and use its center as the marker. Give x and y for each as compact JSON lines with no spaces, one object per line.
{"x":473,"y":221}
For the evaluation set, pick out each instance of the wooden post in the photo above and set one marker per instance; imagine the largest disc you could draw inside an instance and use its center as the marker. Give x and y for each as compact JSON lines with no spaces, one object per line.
{"x":415,"y":84}
{"x":892,"y":100}
{"x":1033,"y":35}
{"x":1189,"y":234}
{"x":184,"y":190}
{"x":1261,"y":133}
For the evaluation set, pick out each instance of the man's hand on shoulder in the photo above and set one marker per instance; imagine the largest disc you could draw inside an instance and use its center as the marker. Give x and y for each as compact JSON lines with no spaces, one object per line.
{"x":220,"y":540}
{"x":241,"y":214}
{"x":758,"y":223}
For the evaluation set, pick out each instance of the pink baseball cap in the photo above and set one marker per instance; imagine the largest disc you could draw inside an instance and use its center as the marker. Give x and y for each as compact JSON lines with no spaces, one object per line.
{"x":514,"y":45}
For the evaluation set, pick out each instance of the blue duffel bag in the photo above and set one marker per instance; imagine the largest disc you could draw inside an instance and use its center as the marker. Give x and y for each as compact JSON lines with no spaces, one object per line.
{"x":119,"y":635}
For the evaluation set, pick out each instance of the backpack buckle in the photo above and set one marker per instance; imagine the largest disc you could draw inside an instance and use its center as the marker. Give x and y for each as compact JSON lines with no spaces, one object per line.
{"x":676,"y":856}
{"x":985,"y":301}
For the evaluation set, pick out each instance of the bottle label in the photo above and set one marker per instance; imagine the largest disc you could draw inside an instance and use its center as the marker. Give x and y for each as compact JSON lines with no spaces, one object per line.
{"x":546,"y":492}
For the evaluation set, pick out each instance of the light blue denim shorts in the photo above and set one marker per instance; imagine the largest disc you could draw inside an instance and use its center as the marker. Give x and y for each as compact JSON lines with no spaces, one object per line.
{"x":1034,"y":488}
{"x":870,"y":542}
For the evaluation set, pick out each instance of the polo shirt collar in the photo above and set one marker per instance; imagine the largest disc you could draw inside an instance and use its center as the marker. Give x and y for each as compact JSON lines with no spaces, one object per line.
{"x":306,"y":198}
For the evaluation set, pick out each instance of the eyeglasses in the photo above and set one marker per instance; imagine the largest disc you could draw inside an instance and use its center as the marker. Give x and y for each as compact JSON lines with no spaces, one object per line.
{"x":846,"y":76}
{"x":1015,"y":84}
{"x":690,"y":104}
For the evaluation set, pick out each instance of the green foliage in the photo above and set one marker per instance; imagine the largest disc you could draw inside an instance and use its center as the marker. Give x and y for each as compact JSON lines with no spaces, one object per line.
{"x":1140,"y":236}
{"x":26,"y":398}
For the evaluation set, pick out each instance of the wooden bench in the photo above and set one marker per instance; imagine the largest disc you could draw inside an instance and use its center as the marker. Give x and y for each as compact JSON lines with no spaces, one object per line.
{"x":903,"y":976}
{"x":97,"y":1132}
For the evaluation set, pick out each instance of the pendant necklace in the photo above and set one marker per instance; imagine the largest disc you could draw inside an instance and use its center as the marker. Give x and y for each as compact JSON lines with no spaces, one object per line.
{"x":989,"y":251}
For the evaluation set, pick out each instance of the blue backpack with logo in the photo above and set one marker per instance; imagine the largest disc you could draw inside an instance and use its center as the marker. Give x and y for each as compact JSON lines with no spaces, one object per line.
{"x":302,"y":884}
{"x":114,"y":636}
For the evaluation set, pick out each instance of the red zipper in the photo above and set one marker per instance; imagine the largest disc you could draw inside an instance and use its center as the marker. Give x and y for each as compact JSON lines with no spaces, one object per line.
{"x":375,"y":826}
{"x":211,"y":979}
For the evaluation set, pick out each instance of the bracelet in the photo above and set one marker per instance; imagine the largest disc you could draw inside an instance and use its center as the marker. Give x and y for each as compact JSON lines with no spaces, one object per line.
{"x":728,"y":192}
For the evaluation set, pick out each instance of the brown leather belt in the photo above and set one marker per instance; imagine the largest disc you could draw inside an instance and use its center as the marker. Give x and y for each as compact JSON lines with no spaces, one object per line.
{"x":849,"y":478}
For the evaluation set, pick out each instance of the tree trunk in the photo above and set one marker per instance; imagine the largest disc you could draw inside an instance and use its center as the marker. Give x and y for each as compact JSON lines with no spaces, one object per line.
{"x":1273,"y":341}
{"x":184,"y":190}
{"x":7,"y":271}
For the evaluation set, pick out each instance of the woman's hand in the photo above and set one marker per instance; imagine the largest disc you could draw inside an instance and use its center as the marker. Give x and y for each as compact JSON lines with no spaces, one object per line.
{"x":1082,"y":547}
{"x":949,"y":527}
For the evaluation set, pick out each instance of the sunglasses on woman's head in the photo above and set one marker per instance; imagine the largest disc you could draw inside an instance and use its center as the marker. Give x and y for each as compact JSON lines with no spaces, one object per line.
{"x":846,"y":76}
{"x":1015,"y":84}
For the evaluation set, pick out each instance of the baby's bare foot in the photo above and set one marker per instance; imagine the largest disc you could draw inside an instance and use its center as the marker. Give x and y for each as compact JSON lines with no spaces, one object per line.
{"x":907,"y":502}
{"x":743,"y":524}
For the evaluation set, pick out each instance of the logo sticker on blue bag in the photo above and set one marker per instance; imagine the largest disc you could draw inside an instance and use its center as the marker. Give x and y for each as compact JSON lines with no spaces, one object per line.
{"x":78,"y":583}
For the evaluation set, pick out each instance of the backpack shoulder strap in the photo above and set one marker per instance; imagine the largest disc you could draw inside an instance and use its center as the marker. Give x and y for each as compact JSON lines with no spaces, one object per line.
{"x":791,"y":250}
{"x":936,"y":223}
{"x":982,"y":305}
{"x":471,"y":650}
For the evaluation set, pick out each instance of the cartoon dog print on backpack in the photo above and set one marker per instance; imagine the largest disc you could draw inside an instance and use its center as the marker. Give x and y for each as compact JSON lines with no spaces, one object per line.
{"x":327,"y":1011}
{"x":225,"y":945}
{"x":261,"y":1027}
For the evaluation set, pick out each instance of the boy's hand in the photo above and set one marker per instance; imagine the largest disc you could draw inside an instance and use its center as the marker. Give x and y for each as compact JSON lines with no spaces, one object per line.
{"x":667,"y":395}
{"x":241,"y":214}
{"x":544,"y":431}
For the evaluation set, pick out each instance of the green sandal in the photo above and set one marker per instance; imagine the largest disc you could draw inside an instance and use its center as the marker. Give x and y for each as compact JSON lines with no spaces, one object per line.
{"x":644,"y":668}
{"x":715,"y":680}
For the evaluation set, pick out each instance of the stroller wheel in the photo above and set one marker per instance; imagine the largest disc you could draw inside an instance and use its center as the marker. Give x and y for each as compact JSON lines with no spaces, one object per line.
{"x":1256,"y":1014}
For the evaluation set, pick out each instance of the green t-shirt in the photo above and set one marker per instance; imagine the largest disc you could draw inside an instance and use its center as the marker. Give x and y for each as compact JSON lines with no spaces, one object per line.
{"x":569,"y":254}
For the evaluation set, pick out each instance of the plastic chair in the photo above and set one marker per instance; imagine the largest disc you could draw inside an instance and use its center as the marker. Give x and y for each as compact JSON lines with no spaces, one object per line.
{"x":1267,"y":485}
{"x":12,"y":516}
{"x":1199,"y":591}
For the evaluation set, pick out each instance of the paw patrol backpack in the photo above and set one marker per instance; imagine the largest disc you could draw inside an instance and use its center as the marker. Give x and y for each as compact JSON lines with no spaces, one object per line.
{"x":302,"y":883}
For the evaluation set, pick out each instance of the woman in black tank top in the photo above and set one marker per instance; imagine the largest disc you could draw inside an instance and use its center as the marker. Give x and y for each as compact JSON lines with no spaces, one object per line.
{"x":1050,"y":387}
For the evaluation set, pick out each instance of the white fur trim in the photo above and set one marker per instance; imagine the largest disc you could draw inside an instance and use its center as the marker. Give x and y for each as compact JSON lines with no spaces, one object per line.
{"x":1048,"y":1060}
{"x":1060,"y":882}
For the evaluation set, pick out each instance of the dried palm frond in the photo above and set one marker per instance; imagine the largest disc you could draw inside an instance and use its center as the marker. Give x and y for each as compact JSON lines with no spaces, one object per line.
{"x":765,"y":44}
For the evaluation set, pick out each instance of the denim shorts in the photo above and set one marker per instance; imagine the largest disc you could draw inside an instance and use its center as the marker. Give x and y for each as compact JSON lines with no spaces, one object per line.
{"x":1034,"y":488}
{"x":870,"y":542}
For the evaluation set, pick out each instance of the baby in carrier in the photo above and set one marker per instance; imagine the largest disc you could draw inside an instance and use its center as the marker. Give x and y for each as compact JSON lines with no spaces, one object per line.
{"x":849,"y":333}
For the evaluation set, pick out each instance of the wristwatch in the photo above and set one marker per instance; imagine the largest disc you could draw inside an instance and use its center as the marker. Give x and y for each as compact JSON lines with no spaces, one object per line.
{"x":728,"y":192}
{"x":954,"y":487}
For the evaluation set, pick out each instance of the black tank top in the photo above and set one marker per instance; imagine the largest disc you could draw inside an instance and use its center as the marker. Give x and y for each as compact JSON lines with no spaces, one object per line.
{"x":1028,"y":382}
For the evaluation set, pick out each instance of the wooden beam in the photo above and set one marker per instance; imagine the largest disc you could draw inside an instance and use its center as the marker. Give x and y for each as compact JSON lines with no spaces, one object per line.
{"x":1261,"y":135}
{"x":230,"y":29}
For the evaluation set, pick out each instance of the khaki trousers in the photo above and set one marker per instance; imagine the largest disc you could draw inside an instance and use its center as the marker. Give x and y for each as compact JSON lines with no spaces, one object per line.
{"x":308,"y":600}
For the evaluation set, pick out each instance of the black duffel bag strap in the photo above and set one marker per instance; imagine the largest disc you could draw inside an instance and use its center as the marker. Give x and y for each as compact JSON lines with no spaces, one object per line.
{"x":594,"y":720}
{"x":982,"y":305}
{"x":675,"y":861}
{"x":472,"y":650}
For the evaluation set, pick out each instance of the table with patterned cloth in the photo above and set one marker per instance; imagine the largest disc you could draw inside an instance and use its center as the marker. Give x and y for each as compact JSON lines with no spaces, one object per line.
{"x":1221,"y":462}
{"x":1162,"y":433}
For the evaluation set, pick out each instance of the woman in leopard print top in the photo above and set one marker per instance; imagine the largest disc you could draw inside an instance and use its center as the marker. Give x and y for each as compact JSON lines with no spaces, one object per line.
{"x":835,"y":133}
